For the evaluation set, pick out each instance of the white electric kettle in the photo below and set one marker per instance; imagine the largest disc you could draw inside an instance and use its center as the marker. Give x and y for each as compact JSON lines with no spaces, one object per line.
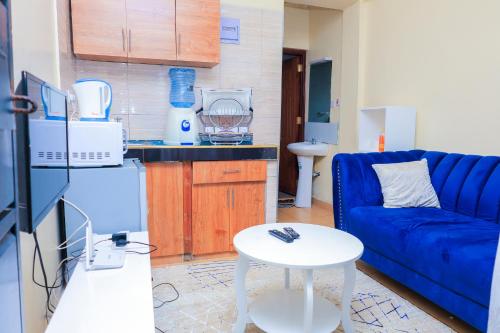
{"x":94,"y":99}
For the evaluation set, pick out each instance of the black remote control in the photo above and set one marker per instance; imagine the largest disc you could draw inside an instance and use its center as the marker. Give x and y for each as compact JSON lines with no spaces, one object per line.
{"x":281,"y":236}
{"x":292,"y":233}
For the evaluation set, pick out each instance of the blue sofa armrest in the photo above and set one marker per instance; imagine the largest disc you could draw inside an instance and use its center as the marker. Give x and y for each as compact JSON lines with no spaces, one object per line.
{"x":355,"y":183}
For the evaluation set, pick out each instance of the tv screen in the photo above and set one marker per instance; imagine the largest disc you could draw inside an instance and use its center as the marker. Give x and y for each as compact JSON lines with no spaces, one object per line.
{"x":41,"y":185}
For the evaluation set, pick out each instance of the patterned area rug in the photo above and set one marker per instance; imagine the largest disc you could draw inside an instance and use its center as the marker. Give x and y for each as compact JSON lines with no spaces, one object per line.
{"x":207,"y":299}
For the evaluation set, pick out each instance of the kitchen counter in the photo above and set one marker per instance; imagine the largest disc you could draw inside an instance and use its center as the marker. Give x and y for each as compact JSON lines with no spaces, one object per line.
{"x":157,"y":151}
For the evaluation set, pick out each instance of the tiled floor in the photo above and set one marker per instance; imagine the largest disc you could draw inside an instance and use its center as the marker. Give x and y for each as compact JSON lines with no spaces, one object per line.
{"x":322,"y":214}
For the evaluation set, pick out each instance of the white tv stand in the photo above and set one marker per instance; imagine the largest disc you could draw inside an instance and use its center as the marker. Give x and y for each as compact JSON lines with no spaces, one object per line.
{"x":116,"y":300}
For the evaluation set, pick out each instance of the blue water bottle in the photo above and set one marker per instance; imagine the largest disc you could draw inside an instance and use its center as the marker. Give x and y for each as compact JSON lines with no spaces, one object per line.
{"x":182,"y":87}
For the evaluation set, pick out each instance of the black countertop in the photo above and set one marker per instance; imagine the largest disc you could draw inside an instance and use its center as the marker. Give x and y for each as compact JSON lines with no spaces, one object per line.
{"x":165,"y":153}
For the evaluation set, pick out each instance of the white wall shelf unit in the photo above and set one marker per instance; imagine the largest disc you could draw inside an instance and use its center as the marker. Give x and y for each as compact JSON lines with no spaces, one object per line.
{"x":397,"y":123}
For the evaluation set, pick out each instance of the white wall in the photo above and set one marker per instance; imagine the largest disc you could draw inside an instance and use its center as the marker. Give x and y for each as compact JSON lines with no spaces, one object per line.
{"x":331,"y":4}
{"x":441,"y":57}
{"x":319,"y":31}
{"x":350,"y":99}
{"x":34,"y":42}
{"x":325,"y":31}
{"x":296,"y":35}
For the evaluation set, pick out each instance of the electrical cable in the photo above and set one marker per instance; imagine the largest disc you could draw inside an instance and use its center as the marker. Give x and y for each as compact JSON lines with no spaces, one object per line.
{"x":33,"y":272}
{"x":61,"y":247}
{"x":154,"y":248}
{"x":87,"y":220}
{"x":177,"y":295}
{"x":67,"y":260}
{"x":65,"y":269}
{"x":44,"y":273}
{"x":162,"y":303}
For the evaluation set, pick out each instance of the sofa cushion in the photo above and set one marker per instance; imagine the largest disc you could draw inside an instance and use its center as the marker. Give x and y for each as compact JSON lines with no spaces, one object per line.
{"x":455,"y":251}
{"x":467,"y":184}
{"x":406,"y":184}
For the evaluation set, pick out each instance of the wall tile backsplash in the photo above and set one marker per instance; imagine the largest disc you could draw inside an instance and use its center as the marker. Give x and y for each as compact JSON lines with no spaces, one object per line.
{"x":141,"y":92}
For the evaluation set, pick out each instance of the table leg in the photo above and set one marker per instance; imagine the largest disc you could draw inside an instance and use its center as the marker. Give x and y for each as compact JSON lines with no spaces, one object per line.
{"x":287,"y":278}
{"x":308,"y":300}
{"x":242,"y":266}
{"x":349,"y":280}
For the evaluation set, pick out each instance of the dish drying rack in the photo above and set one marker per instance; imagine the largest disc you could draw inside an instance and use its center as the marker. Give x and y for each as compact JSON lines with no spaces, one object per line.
{"x":225,"y":116}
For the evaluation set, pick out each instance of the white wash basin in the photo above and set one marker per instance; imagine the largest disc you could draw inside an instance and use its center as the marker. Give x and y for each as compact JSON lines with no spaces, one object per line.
{"x":308,"y":148}
{"x":305,"y":152}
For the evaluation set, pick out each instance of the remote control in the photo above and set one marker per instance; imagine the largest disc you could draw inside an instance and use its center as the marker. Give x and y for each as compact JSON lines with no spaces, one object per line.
{"x":292,"y":233}
{"x":281,"y":236}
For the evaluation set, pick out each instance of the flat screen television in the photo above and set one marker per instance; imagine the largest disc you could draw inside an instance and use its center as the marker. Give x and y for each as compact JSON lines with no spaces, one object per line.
{"x":40,"y":187}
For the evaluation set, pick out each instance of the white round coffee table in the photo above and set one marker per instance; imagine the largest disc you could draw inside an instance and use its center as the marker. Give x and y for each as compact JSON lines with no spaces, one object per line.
{"x":289,"y":310}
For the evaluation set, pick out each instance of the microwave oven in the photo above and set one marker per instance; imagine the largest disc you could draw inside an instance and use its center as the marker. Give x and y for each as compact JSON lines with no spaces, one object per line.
{"x":90,"y":143}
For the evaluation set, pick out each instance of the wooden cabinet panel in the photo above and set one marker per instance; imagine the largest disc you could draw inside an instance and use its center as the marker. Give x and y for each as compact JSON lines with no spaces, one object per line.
{"x":198,"y":32}
{"x":164,"y":182}
{"x":210,"y":217}
{"x":229,"y":171}
{"x":151,"y":31}
{"x":247,"y":207}
{"x":183,"y":32}
{"x":99,"y":29}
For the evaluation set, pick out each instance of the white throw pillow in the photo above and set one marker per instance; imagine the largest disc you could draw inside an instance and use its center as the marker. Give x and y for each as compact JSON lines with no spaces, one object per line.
{"x":406,"y":184}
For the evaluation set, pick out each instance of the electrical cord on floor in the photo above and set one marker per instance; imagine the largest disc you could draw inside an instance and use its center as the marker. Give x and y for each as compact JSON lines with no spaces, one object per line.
{"x":162,"y":303}
{"x":177,"y":295}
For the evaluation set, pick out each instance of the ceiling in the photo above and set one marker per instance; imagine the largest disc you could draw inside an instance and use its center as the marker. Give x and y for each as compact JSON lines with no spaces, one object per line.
{"x":332,"y":4}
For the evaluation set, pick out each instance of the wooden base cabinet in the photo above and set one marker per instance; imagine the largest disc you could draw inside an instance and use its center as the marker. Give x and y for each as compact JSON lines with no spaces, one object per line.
{"x":197,"y":208}
{"x":164,"y":183}
{"x":210,"y":213}
{"x":248,"y":207}
{"x":227,"y":198}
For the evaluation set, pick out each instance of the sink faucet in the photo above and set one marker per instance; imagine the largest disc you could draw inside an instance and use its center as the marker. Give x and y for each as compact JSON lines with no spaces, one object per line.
{"x":313,"y":141}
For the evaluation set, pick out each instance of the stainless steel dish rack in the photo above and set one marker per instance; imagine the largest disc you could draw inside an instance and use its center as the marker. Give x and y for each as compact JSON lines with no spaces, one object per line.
{"x":225,"y":116}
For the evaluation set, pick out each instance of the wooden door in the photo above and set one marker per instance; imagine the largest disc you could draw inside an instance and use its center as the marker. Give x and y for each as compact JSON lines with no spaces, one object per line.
{"x":292,"y":118}
{"x":247,"y":207}
{"x":99,"y":29}
{"x":151,"y":31}
{"x":198,"y":32}
{"x":164,"y":182}
{"x":210,"y":215}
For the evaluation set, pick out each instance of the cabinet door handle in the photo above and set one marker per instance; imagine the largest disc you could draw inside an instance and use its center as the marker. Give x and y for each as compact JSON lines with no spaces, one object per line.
{"x":227,"y":198}
{"x":231,"y":171}
{"x":129,"y":40}
{"x":123,"y":39}
{"x":179,"y":43}
{"x":232,"y":194}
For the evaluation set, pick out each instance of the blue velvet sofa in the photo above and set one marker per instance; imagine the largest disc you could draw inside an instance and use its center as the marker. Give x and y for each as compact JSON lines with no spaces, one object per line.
{"x":446,"y":255}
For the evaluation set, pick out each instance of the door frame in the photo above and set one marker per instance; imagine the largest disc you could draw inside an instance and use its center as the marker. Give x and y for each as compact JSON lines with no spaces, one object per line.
{"x":301,"y":54}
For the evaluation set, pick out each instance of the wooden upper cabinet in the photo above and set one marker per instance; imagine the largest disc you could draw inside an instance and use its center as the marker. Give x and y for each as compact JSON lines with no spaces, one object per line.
{"x":99,"y":29}
{"x":198,"y":32}
{"x":182,"y":32}
{"x":151,"y":31}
